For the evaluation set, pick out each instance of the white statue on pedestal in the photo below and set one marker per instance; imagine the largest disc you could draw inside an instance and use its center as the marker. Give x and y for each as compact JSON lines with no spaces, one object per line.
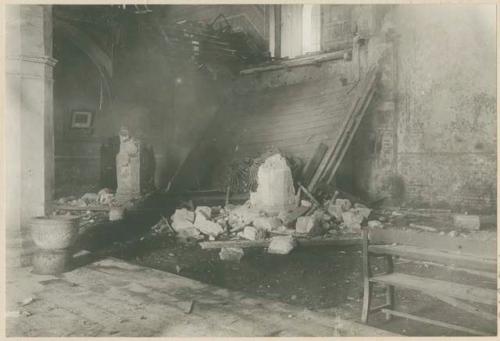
{"x":128,"y":167}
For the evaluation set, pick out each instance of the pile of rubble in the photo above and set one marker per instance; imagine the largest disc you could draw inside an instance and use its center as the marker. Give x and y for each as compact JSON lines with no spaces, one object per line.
{"x":104,"y":197}
{"x":275,"y":212}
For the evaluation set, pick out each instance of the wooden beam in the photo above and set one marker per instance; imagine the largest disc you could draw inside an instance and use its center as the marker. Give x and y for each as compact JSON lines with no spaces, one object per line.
{"x":434,"y":322}
{"x":464,"y":306}
{"x":431,"y":255}
{"x":438,"y":287}
{"x":465,"y":246}
{"x":265,"y":243}
{"x":296,"y":62}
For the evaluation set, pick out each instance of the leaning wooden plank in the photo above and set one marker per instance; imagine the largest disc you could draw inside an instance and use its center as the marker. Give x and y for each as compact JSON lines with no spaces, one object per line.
{"x":431,"y":255}
{"x":319,"y":171}
{"x":337,"y":158}
{"x":434,"y":322}
{"x":356,"y":107}
{"x":466,"y":246}
{"x":438,"y":287}
{"x":265,"y":243}
{"x":314,"y":162}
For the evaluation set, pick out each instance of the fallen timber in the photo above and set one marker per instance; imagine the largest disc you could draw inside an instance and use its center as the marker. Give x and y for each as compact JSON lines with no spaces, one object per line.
{"x":347,"y":241}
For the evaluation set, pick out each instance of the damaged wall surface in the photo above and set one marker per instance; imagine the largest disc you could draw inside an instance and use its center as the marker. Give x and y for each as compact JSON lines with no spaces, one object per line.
{"x":428,"y":137}
{"x":166,"y":103}
{"x":431,"y":138}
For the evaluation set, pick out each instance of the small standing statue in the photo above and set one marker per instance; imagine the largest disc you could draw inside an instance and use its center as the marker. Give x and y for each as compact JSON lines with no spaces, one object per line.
{"x":128,"y":167}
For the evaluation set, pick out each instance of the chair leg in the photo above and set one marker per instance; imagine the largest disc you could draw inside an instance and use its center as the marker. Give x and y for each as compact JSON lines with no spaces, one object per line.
{"x":367,"y":285}
{"x":389,"y":300}
{"x":367,"y":296}
{"x":389,"y":290}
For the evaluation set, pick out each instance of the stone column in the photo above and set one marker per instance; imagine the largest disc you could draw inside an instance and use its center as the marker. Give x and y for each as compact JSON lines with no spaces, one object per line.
{"x":28,"y":124}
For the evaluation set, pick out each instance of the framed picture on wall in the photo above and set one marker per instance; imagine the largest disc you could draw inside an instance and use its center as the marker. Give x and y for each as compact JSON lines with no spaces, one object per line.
{"x":81,"y":119}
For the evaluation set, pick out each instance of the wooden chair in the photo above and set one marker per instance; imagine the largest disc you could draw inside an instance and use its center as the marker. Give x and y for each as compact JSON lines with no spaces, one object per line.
{"x":458,"y":253}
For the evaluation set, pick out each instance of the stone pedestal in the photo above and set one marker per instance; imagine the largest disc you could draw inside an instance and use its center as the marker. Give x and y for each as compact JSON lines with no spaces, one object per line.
{"x":28,"y":124}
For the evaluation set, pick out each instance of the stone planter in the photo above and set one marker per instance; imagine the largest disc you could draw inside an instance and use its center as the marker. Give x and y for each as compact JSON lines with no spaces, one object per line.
{"x":51,"y":262}
{"x":53,"y":233}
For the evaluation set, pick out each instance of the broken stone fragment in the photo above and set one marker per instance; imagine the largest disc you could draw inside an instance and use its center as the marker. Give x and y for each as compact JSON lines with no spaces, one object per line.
{"x":375,"y":224}
{"x":290,"y":216}
{"x":310,"y":225}
{"x":180,"y":224}
{"x":467,"y":222}
{"x":188,"y":232}
{"x":283,"y":229}
{"x":267,"y":223}
{"x":305,"y":203}
{"x":335,"y":211}
{"x":281,"y":245}
{"x":344,"y":204}
{"x":206,"y":226}
{"x":364,"y":211}
{"x":183,"y":214}
{"x":205,"y":210}
{"x":232,"y":254}
{"x":89,"y":197}
{"x":253,"y":233}
{"x":352,"y":219}
{"x":241,"y":216}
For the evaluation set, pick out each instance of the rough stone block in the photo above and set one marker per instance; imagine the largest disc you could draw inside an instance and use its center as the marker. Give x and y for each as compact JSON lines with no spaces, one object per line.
{"x":352,"y":219}
{"x":344,"y":204}
{"x":467,"y":222}
{"x":267,"y":223}
{"x":242,"y":216}
{"x":183,"y":214}
{"x":231,"y":254}
{"x":253,"y":233}
{"x":205,"y":210}
{"x":308,"y":225}
{"x":375,"y":224}
{"x":90,"y":197}
{"x":282,"y":245}
{"x":335,"y":211}
{"x":207,"y":227}
{"x":364,"y":211}
{"x":305,"y":203}
{"x":290,"y":216}
{"x":188,"y":232}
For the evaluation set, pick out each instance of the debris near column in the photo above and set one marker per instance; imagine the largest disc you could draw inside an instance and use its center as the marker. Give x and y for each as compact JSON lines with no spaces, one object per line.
{"x":267,"y":223}
{"x":253,"y":233}
{"x":310,"y":225}
{"x":182,"y":223}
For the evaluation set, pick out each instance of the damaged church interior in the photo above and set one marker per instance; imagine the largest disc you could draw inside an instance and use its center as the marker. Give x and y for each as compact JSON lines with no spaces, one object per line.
{"x":250,"y":170}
